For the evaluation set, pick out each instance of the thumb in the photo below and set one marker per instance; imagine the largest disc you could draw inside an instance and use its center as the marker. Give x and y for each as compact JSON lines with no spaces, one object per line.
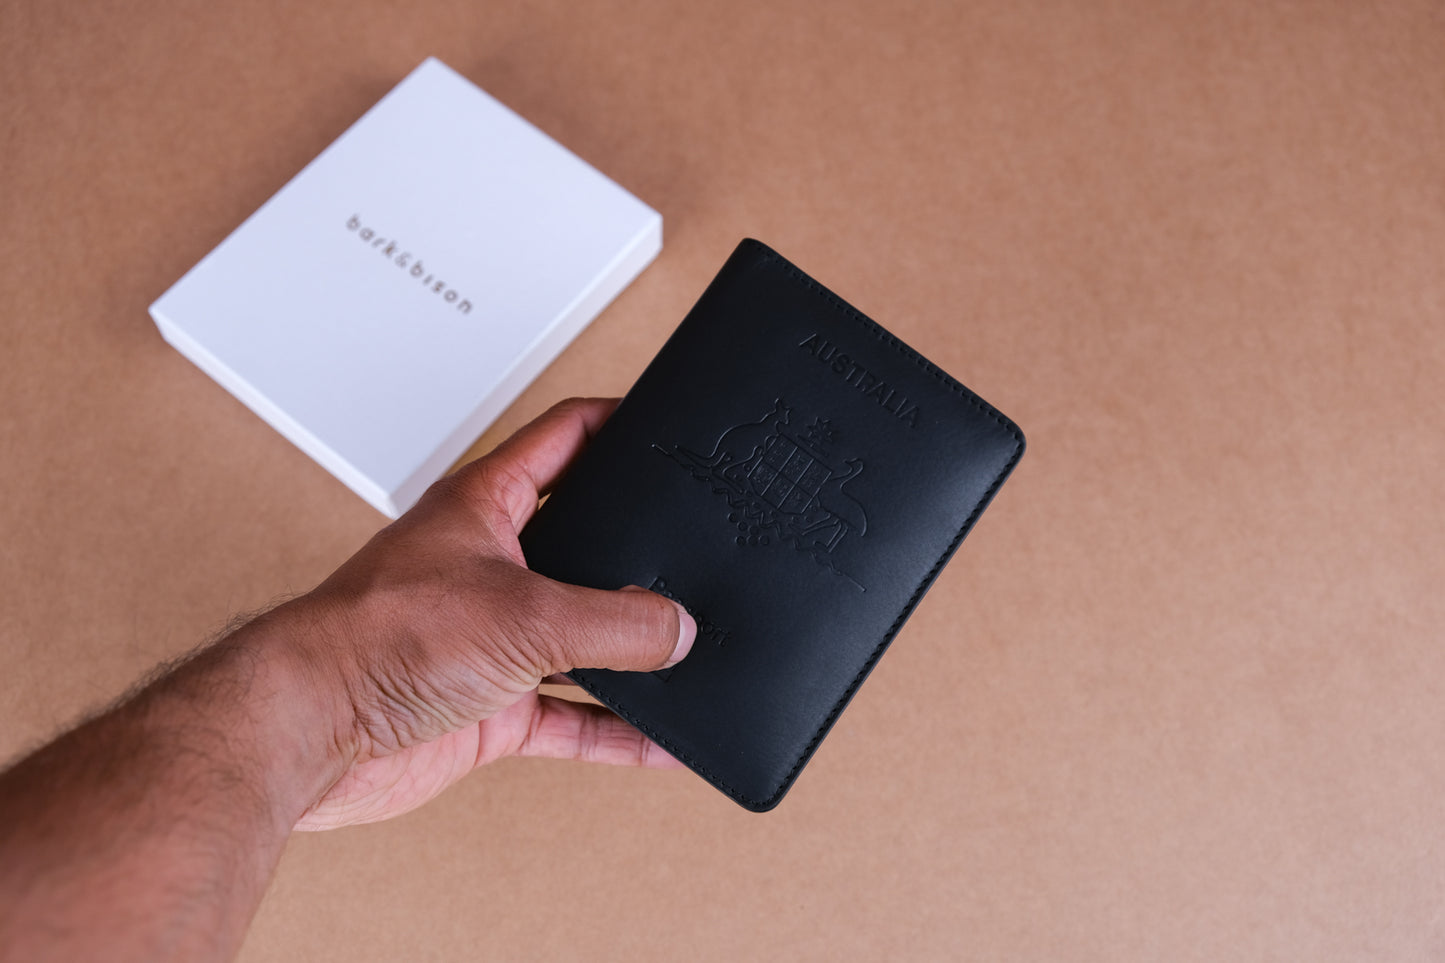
{"x":630,"y":629}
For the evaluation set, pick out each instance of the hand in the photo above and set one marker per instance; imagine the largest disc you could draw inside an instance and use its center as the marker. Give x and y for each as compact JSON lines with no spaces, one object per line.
{"x":434,"y":637}
{"x":151,"y":830}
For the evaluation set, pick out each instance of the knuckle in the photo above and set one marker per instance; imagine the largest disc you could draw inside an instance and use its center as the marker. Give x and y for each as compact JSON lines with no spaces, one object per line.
{"x":494,"y":486}
{"x":529,"y":625}
{"x":448,"y":489}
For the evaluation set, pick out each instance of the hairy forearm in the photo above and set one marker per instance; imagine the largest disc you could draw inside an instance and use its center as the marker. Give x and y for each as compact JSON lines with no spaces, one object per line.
{"x":151,"y":831}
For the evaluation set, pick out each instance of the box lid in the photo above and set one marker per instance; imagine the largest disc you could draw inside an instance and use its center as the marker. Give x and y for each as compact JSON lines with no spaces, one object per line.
{"x":391,"y":300}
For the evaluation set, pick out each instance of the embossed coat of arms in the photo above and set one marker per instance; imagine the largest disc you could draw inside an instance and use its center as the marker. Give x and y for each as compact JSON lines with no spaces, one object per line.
{"x":783,"y":484}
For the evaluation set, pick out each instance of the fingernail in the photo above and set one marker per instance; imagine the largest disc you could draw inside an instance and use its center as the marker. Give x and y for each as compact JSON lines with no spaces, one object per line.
{"x":686,"y":633}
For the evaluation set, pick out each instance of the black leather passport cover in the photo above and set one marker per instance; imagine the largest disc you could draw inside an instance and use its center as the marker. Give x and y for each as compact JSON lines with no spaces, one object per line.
{"x":796,"y":477}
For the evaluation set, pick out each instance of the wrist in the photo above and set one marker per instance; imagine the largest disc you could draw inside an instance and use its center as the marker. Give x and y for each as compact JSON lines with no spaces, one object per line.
{"x":293,"y":722}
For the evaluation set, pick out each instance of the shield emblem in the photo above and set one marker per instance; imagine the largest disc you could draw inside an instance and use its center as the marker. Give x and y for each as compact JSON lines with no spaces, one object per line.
{"x":788,"y":477}
{"x":779,"y":486}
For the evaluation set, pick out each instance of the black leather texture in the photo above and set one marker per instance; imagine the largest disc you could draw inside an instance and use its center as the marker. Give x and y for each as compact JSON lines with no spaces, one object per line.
{"x":796,"y":477}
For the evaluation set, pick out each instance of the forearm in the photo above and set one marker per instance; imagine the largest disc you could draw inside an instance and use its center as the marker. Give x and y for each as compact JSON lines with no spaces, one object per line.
{"x":150,"y":832}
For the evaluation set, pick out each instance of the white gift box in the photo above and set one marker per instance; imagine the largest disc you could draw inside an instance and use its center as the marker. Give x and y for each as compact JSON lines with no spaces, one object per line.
{"x":387,"y":304}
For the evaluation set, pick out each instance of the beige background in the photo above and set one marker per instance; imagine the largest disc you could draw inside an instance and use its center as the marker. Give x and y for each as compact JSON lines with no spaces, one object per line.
{"x":1181,"y":696}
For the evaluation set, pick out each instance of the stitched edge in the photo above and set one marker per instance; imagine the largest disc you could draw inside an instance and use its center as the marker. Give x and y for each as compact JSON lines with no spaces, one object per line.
{"x":771,"y":257}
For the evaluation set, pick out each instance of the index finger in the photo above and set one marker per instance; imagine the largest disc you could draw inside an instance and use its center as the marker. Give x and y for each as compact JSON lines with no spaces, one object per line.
{"x":519,"y":471}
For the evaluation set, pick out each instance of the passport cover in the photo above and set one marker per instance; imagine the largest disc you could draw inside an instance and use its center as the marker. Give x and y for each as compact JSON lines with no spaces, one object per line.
{"x":796,"y":477}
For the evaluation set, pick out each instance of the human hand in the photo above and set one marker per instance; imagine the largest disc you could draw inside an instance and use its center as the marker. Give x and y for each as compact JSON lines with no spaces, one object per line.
{"x":429,"y":644}
{"x":151,"y":830}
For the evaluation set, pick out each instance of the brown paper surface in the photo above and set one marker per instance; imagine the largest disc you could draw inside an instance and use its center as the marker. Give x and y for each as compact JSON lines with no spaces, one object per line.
{"x":1180,"y":696}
